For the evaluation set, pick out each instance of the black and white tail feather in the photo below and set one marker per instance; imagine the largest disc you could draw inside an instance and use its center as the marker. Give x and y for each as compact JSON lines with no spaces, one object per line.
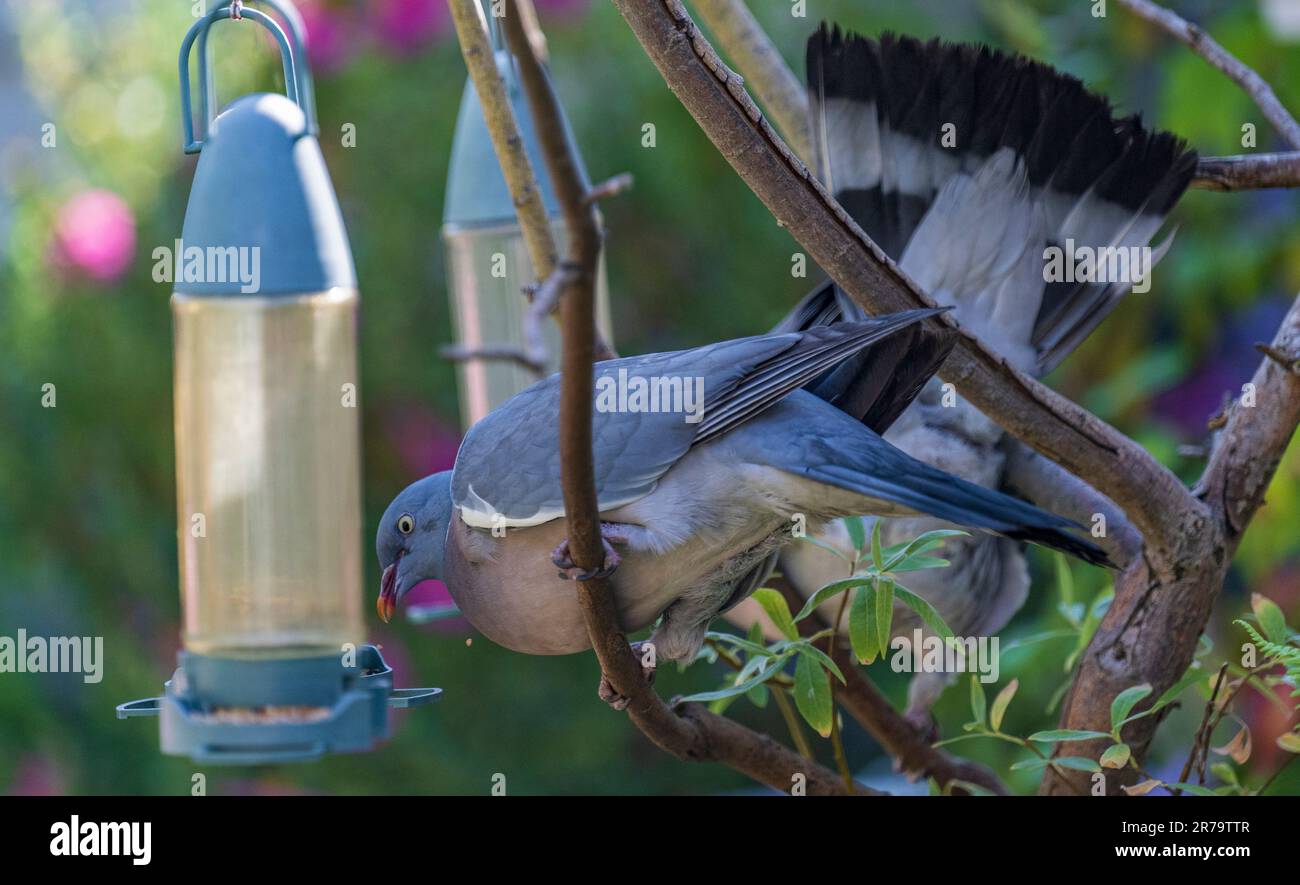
{"x":964,"y":164}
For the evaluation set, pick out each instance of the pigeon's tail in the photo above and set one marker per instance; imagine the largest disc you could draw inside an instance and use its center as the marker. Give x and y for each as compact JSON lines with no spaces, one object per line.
{"x":807,"y":439}
{"x":934,"y":493}
{"x":1002,"y":186}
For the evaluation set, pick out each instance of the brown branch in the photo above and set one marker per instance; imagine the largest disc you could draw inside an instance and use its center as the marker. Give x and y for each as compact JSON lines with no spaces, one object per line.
{"x":1063,"y":431}
{"x":690,"y":732}
{"x":1251,"y":172}
{"x":1151,"y":630}
{"x":1209,"y":49}
{"x":1254,"y":438}
{"x":744,"y":41}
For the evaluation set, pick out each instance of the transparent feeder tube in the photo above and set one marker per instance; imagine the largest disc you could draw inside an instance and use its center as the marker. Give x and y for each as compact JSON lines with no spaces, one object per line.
{"x":268,"y":473}
{"x":488,"y":267}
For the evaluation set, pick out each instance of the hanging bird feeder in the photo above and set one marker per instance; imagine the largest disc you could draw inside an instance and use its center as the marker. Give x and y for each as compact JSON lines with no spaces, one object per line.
{"x":487,"y":262}
{"x":267,"y":439}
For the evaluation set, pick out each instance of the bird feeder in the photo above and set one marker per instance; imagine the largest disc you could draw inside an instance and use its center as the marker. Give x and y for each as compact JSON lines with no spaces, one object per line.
{"x":264,"y":314}
{"x":488,"y":265}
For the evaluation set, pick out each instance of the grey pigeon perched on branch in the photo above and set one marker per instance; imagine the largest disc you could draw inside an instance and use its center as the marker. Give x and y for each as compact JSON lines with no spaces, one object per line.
{"x":968,"y":166}
{"x":693,"y":501}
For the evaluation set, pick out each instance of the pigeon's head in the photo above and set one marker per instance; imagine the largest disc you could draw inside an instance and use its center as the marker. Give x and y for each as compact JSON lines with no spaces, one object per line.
{"x":411,"y":540}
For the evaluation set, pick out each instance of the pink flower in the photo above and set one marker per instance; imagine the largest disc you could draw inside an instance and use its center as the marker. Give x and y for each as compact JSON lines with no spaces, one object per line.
{"x":94,"y":235}
{"x":37,"y":776}
{"x":329,"y":46}
{"x":424,"y":443}
{"x":407,"y":26}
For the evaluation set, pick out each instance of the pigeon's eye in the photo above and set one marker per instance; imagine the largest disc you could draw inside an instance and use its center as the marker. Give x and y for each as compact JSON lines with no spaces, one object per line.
{"x":405,"y":524}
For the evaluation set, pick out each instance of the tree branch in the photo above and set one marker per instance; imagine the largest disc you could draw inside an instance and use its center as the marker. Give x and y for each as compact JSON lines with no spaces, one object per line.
{"x":1207,"y":48}
{"x":691,"y":732}
{"x":1063,"y":431}
{"x":1249,"y":172}
{"x":744,"y":41}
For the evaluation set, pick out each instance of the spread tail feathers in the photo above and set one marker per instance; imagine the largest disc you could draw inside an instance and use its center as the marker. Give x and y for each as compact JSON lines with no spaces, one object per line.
{"x":967,"y":165}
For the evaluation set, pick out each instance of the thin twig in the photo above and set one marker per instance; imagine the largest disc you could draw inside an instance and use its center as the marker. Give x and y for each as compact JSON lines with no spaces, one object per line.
{"x":744,"y":41}
{"x":1252,"y":172}
{"x":1209,"y":49}
{"x":495,"y":353}
{"x":690,"y":731}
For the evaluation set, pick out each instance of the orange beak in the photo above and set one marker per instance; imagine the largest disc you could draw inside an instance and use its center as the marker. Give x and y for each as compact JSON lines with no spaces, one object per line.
{"x":386,"y":604}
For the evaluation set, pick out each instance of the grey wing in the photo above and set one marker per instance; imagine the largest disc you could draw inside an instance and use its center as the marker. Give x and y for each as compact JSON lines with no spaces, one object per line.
{"x":508,"y":467}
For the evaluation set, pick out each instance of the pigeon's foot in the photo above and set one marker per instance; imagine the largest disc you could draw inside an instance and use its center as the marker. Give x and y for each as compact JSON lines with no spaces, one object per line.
{"x":924,"y":723}
{"x":610,"y":695}
{"x":610,"y":534}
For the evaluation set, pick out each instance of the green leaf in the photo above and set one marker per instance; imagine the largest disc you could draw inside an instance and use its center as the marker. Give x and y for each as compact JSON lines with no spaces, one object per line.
{"x":884,"y":612}
{"x":921,"y":544}
{"x":812,"y":694}
{"x":1116,"y":756}
{"x":1057,"y":735}
{"x":758,"y":695}
{"x":1078,"y":763}
{"x":876,"y":556}
{"x":999,"y":708}
{"x":1064,"y":580}
{"x":977,"y":703}
{"x":829,"y":548}
{"x":1271,"y":619}
{"x":754,"y":648}
{"x":862,"y":633}
{"x":1193,"y":675}
{"x":918,"y":563}
{"x":828,"y":592}
{"x":924,"y":611}
{"x":857,"y":534}
{"x":761,"y":676}
{"x":774,"y":604}
{"x":807,"y":648}
{"x":1124,"y":703}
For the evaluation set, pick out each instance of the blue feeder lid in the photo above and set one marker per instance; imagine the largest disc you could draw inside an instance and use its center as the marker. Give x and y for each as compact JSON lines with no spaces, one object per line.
{"x":261,"y":184}
{"x":477,"y":194}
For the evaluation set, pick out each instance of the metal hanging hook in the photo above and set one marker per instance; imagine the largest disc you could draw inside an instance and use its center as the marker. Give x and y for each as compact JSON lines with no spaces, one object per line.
{"x":199,"y":31}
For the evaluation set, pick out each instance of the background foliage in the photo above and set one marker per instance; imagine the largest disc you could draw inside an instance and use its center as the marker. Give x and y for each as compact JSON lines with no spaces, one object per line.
{"x":87,"y":513}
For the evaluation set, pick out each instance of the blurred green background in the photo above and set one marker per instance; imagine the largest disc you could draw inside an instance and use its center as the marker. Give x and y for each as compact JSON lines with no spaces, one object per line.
{"x":87,"y":512}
